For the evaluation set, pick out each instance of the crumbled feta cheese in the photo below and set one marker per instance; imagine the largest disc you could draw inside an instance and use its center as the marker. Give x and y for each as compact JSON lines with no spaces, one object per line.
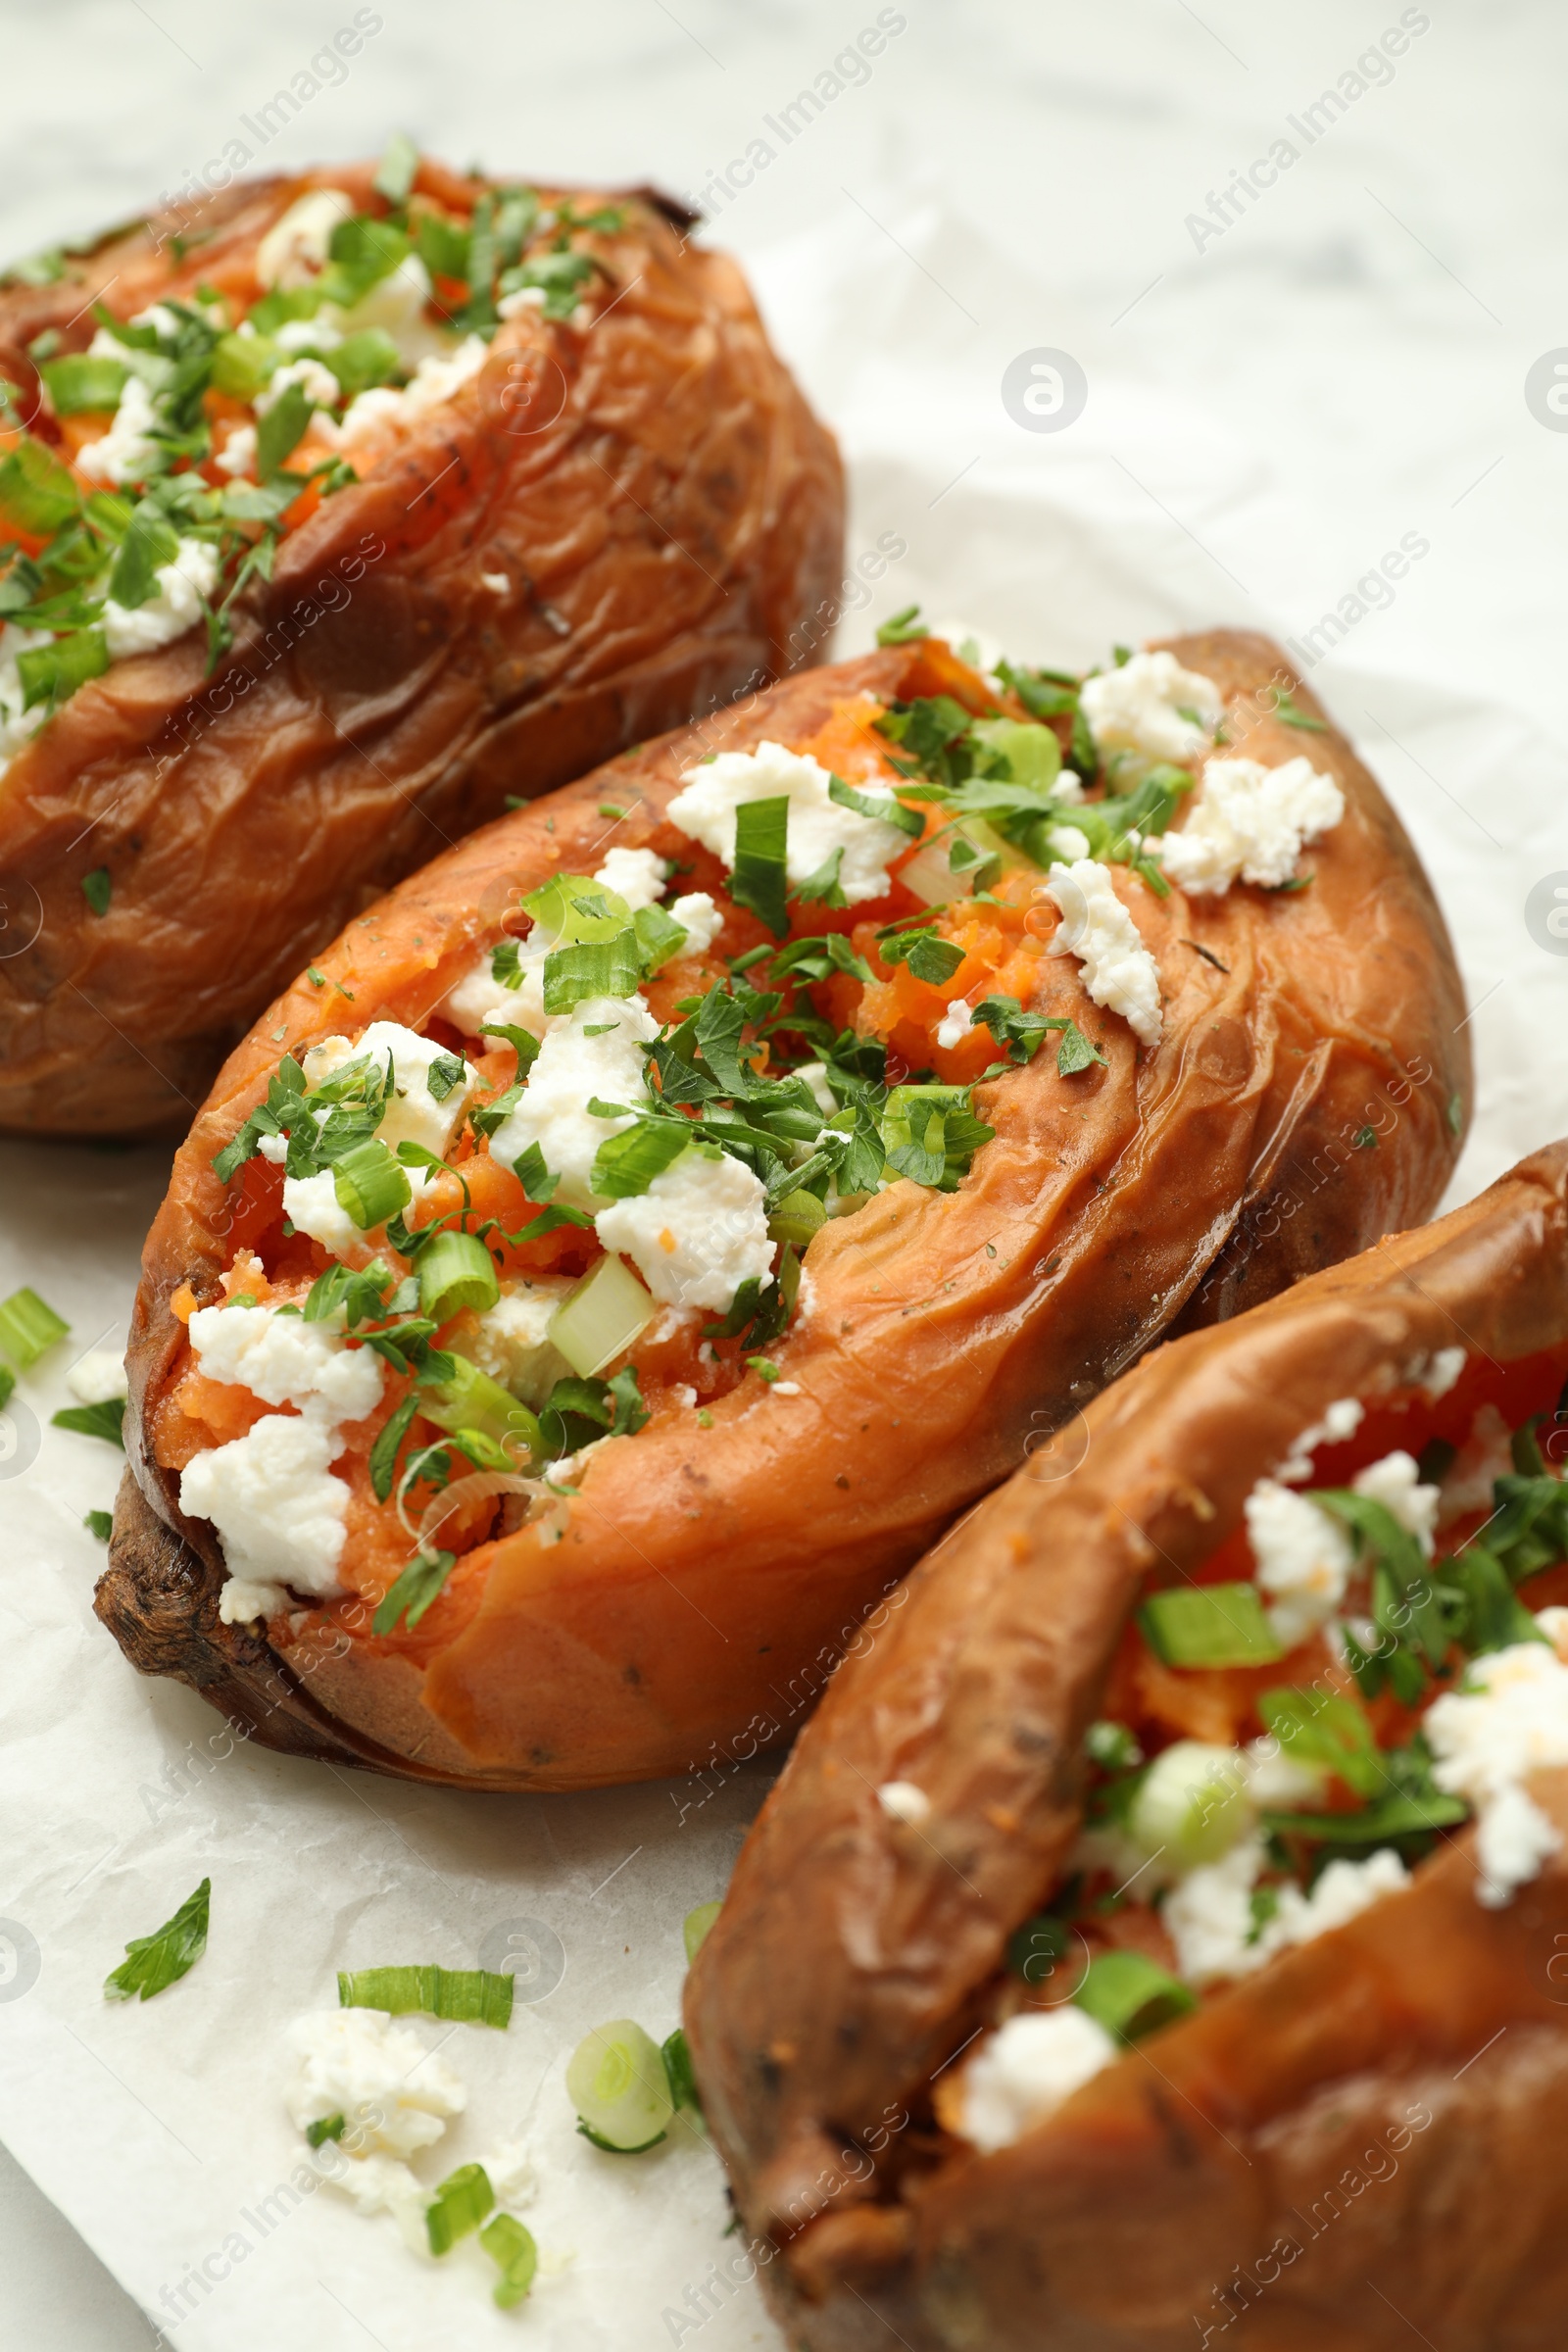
{"x":294,"y":249}
{"x":1303,"y":1561}
{"x":414,"y":1115}
{"x":1119,"y":972}
{"x":956,"y":1028}
{"x":1139,"y":710}
{"x":511,"y":2172}
{"x":701,"y":920}
{"x":1396,"y":1483}
{"x":511,"y":1343}
{"x":1343,"y":1418}
{"x":312,"y":1206}
{"x":1442,"y":1372}
{"x":237,"y":457}
{"x":394,"y":2096}
{"x":1251,"y":822}
{"x":183,"y":586}
{"x":1209,"y":1915}
{"x":434,"y":382}
{"x":297,"y":335}
{"x":318,"y":384}
{"x":98,"y":1377}
{"x":479,"y":997}
{"x":284,"y":1360}
{"x":903,"y":1800}
{"x":636,"y":875}
{"x":698,"y":1231}
{"x":571,"y":1069}
{"x":278,"y":1512}
{"x":379,"y":2184}
{"x":125,"y":452}
{"x":1023,"y":2071}
{"x":499,"y":583}
{"x":705,"y":809}
{"x":1069,"y":842}
{"x":1510,"y":1719}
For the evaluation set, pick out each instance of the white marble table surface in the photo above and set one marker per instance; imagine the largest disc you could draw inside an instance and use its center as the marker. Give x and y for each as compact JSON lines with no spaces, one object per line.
{"x":1280,"y":387}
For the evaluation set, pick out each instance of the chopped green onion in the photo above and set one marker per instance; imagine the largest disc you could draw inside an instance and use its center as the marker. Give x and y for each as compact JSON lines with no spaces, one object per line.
{"x":931,"y":1134}
{"x":1209,"y":1625}
{"x":611,"y":967}
{"x":370,"y":1184}
{"x":27,"y":1327}
{"x":658,"y":936}
{"x":100,"y":1524}
{"x":421,"y":1584}
{"x":798,"y":1216}
{"x":1325,"y":1732}
{"x":467,"y":1996}
{"x":97,"y":888}
{"x":81,"y":382}
{"x":617,"y":2081}
{"x":675,"y":2052}
{"x":459,"y":2206}
{"x":904,"y":628}
{"x":760,"y":878}
{"x":764,"y":1368}
{"x":1192,"y":1804}
{"x":468,"y":1398}
{"x":154,"y":1962}
{"x":360,"y":361}
{"x":325,"y":2126}
{"x":577,"y":910}
{"x":602,"y":1319}
{"x":1034,"y":1948}
{"x":696,"y":1926}
{"x":511,"y":2247}
{"x":1130,"y":1996}
{"x":8,"y":1382}
{"x":1031,"y":751}
{"x":101,"y":1420}
{"x":457,"y":1270}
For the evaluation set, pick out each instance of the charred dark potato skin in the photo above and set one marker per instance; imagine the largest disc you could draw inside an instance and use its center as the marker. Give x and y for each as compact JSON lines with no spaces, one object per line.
{"x":670,"y":514}
{"x":1249,"y":2169}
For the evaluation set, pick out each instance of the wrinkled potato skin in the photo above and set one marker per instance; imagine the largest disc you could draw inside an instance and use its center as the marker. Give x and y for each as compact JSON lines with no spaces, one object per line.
{"x":711,"y":1579}
{"x":671,"y":515}
{"x":836,"y":1980}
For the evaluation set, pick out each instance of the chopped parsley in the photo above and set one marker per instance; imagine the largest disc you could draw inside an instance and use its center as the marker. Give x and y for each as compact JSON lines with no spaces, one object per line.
{"x":153,"y":1963}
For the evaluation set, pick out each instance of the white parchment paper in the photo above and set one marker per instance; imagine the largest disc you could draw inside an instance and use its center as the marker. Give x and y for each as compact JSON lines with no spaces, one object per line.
{"x":158,"y":2129}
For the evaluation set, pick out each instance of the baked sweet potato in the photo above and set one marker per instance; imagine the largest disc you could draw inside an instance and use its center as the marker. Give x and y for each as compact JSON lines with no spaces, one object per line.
{"x":1037,"y":1195}
{"x":598,"y":505}
{"x":1245,"y":2121}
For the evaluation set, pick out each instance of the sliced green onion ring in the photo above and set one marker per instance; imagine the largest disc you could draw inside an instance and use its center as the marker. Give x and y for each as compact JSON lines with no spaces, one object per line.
{"x":459,"y":2206}
{"x":468,"y":1996}
{"x":1130,"y":1996}
{"x":511,"y":2247}
{"x":29,"y":1327}
{"x":457,"y":1270}
{"x":1209,"y":1625}
{"x":617,"y":2082}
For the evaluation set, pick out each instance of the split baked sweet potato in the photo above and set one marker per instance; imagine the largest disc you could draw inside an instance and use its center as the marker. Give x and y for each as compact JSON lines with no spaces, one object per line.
{"x":633,"y":1365}
{"x":337,"y":512}
{"x":1112,"y":1967}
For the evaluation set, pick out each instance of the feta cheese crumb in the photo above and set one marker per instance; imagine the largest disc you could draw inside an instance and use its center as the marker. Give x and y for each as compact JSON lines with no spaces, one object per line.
{"x":636,"y":875}
{"x":279,"y":1513}
{"x":1342,"y":1419}
{"x":294,"y":249}
{"x":511,"y":1343}
{"x":318,"y":384}
{"x":1118,"y":970}
{"x":1442,"y":1373}
{"x":1510,"y":1719}
{"x":1140,"y":711}
{"x":394,"y":2096}
{"x":98,"y":1377}
{"x":705,"y":809}
{"x":183,"y":586}
{"x":284,"y":1360}
{"x":701,"y":920}
{"x":1396,"y":1483}
{"x":1023,"y":2071}
{"x":1249,"y":822}
{"x":414,"y":1115}
{"x":1069,"y":841}
{"x":1304,"y":1556}
{"x":1209,"y":1915}
{"x":697,"y":1233}
{"x":127,"y":452}
{"x":499,"y":583}
{"x":1486,"y":1455}
{"x":957,"y":1024}
{"x":434,"y":382}
{"x":903,"y":1800}
{"x":312,"y":1206}
{"x":237,"y":457}
{"x":572,"y":1069}
{"x":379,"y":2184}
